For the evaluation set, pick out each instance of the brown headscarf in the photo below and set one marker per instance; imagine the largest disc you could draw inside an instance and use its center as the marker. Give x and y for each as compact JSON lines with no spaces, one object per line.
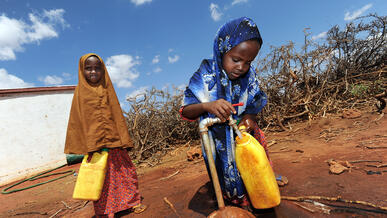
{"x":96,"y":120}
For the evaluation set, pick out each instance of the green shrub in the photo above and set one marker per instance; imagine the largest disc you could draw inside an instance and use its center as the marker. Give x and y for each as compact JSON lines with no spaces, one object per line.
{"x":359,"y":90}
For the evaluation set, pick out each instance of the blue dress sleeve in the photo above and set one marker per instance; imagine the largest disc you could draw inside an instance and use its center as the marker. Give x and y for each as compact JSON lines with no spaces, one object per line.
{"x":197,"y":89}
{"x":189,"y":97}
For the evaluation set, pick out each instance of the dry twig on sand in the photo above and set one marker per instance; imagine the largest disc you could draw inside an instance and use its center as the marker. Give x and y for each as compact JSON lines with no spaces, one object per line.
{"x":337,"y":199}
{"x":171,"y":206}
{"x":374,"y":147}
{"x":360,"y":161}
{"x":271,"y":143}
{"x":67,"y":206}
{"x":174,"y":174}
{"x":56,"y":213}
{"x":377,"y":166}
{"x":304,"y":207}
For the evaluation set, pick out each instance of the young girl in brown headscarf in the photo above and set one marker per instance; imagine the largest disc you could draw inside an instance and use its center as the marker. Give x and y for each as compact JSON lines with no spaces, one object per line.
{"x":96,"y":122}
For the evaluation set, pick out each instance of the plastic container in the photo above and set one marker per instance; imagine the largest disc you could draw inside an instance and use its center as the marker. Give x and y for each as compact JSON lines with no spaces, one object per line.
{"x":256,"y":172}
{"x":91,"y":177}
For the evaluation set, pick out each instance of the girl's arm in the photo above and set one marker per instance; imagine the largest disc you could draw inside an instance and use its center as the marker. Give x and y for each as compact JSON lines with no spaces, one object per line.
{"x":220,"y":108}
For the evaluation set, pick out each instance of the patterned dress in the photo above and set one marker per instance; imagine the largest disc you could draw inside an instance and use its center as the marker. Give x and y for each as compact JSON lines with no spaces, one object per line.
{"x":210,"y":82}
{"x":120,"y":190}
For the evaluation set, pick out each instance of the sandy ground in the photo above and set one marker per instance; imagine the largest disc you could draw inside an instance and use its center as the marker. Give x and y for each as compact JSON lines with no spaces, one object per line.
{"x":300,"y":154}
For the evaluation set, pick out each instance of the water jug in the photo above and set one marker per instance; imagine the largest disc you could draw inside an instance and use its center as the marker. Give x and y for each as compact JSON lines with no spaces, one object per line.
{"x":91,"y":177}
{"x":256,"y":172}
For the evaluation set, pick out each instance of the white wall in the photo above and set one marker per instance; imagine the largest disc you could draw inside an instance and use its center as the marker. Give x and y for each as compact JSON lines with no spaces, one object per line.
{"x":32,"y":132}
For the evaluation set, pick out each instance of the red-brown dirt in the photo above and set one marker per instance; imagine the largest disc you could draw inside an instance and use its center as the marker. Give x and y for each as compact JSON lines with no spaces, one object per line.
{"x":300,"y":154}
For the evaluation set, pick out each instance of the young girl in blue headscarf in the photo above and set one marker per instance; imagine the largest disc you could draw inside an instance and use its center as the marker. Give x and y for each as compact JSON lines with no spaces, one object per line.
{"x":228,"y":79}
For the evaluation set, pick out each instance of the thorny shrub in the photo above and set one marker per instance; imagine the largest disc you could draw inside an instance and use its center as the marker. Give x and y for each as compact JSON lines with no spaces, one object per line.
{"x":155,"y":124}
{"x":346,"y":70}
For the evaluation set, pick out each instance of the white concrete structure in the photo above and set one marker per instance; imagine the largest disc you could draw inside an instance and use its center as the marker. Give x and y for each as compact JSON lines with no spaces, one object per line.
{"x":33,"y":124}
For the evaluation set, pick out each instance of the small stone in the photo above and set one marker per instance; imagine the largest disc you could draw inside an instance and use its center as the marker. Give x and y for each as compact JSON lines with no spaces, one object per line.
{"x":337,"y":168}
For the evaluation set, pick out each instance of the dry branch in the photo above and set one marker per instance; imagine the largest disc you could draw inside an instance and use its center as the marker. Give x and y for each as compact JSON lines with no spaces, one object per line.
{"x":337,"y":199}
{"x":347,"y":70}
{"x":304,"y":207}
{"x":361,"y":161}
{"x":170,"y":176}
{"x":155,"y":125}
{"x":171,"y":206}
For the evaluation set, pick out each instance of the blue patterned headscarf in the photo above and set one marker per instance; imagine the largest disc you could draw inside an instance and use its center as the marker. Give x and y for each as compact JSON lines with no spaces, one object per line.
{"x":211,"y":83}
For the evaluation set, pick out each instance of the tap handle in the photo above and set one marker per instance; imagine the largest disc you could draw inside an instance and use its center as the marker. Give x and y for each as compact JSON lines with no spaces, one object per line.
{"x":238,"y":104}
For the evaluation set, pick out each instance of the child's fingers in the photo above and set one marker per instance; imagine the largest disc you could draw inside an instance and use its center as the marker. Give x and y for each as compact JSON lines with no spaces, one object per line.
{"x":230,"y":107}
{"x":227,"y":111}
{"x":222,"y":109}
{"x":222,"y":114}
{"x":219,"y":115}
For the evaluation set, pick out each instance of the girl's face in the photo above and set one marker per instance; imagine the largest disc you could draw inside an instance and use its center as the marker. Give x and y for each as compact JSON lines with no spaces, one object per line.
{"x":236,"y":62}
{"x":93,"y":70}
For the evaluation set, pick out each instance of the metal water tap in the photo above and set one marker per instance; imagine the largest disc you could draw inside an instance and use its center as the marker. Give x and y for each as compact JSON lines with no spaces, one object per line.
{"x":233,"y":124}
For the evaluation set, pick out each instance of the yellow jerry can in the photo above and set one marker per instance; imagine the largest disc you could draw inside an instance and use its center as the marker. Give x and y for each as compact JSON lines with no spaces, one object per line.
{"x":91,"y":177}
{"x":256,"y":172}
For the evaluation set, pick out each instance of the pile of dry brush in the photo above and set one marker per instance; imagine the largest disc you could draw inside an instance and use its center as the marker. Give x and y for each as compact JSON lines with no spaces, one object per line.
{"x":155,"y":124}
{"x":346,"y":70}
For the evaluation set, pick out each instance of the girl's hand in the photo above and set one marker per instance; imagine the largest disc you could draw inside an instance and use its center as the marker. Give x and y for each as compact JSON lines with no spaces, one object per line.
{"x":249,"y":121}
{"x":220,"y":108}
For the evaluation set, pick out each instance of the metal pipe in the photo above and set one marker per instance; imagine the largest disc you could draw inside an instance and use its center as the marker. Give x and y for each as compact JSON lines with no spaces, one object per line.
{"x":207,"y":122}
{"x":206,"y":141}
{"x":233,"y":124}
{"x":203,"y":128}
